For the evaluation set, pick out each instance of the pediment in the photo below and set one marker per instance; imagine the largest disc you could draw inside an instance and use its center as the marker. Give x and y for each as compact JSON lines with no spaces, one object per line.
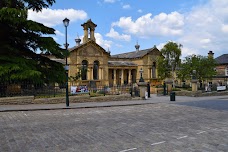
{"x":90,"y":48}
{"x":90,"y":51}
{"x":155,"y":52}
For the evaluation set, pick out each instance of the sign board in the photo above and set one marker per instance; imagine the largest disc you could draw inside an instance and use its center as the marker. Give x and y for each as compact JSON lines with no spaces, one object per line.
{"x":73,"y":89}
{"x":78,"y":89}
{"x":221,"y":88}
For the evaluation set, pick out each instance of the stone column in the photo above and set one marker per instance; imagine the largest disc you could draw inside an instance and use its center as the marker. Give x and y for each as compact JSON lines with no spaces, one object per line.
{"x":92,"y":35}
{"x":142,"y":89}
{"x":99,"y":76}
{"x":194,"y":85}
{"x":169,"y":83}
{"x":85,"y":38}
{"x":122,"y":76}
{"x":129,"y":76}
{"x":91,"y":73}
{"x":102,"y":74}
{"x":114,"y":73}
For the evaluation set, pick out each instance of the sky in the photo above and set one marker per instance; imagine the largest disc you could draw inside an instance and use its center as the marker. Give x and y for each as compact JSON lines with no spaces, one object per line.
{"x":199,"y":25}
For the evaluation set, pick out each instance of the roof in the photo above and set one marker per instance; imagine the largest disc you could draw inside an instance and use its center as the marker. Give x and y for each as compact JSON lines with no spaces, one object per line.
{"x":223,"y":59}
{"x":88,"y":43}
{"x":135,"y":54}
{"x":121,"y":63}
{"x":53,"y":58}
{"x":62,"y":61}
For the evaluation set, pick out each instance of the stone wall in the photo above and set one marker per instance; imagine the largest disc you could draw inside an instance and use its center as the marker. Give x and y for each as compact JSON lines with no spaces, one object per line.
{"x":73,"y":99}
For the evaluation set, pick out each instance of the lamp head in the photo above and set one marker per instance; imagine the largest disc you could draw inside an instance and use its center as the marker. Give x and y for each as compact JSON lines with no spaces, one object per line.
{"x":66,"y":22}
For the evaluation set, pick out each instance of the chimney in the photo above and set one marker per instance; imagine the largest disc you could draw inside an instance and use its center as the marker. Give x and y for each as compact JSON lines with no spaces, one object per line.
{"x":137,"y":47}
{"x":211,"y":54}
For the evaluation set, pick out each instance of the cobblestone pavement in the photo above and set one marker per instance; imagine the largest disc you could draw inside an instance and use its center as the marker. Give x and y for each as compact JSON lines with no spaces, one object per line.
{"x":143,"y":128}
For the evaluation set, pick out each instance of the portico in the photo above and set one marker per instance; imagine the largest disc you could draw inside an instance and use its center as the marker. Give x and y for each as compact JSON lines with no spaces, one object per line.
{"x":122,"y":76}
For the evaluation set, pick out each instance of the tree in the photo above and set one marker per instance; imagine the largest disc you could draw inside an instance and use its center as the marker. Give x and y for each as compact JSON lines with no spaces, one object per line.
{"x":21,"y":38}
{"x":203,"y":66}
{"x":78,"y":75}
{"x":169,"y":60}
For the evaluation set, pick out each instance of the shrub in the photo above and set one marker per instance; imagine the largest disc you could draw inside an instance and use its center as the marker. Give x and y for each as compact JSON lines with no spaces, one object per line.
{"x":176,"y":89}
{"x":189,"y":89}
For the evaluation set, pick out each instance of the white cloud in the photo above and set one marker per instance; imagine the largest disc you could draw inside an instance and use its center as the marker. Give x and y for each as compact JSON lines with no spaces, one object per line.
{"x":140,"y":11}
{"x":189,"y":51}
{"x":119,"y":45}
{"x":146,"y":26}
{"x":126,"y":6}
{"x":109,"y":1}
{"x":205,"y":41}
{"x":115,"y":35}
{"x":203,"y":28}
{"x":53,"y":17}
{"x":160,"y":46}
{"x":225,"y":28}
{"x":59,"y":33}
{"x":55,"y":38}
{"x":104,"y":43}
{"x":206,"y":28}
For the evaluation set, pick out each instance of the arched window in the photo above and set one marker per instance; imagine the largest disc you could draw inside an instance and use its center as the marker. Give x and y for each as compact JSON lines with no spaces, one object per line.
{"x":154,"y":70}
{"x":95,"y":70}
{"x":84,"y":69}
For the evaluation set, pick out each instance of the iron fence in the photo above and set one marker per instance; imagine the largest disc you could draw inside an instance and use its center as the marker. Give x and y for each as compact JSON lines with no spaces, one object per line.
{"x":30,"y":89}
{"x":54,"y":90}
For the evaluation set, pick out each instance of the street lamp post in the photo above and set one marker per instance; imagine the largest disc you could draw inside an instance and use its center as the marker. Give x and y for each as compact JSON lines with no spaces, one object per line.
{"x":66,"y":23}
{"x":193,"y":74}
{"x":141,"y":78}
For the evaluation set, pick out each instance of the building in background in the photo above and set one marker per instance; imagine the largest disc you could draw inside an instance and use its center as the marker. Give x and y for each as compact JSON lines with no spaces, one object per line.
{"x":222,"y":70}
{"x":105,"y":69}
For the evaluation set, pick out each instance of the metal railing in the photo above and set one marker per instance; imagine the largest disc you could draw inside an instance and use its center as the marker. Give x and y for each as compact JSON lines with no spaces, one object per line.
{"x":55,"y":90}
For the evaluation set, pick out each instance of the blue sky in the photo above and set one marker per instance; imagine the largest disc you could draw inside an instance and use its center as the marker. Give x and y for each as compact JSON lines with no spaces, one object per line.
{"x":199,"y":25}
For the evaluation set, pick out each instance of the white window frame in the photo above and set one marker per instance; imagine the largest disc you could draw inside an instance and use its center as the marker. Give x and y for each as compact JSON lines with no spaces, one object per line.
{"x":226,"y":71}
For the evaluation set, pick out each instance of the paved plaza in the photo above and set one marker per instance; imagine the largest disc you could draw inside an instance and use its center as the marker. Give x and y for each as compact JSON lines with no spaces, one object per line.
{"x":188,"y":126}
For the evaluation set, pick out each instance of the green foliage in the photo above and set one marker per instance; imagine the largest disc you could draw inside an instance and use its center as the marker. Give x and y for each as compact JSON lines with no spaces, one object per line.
{"x":176,"y":89}
{"x":21,"y":38}
{"x":94,"y":94}
{"x":204,"y":67}
{"x":169,"y":60}
{"x":78,"y":75}
{"x":163,"y":68}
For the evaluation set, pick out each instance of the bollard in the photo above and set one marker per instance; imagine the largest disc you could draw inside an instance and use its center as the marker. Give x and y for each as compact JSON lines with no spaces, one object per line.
{"x":148,"y":89}
{"x":172,"y":96}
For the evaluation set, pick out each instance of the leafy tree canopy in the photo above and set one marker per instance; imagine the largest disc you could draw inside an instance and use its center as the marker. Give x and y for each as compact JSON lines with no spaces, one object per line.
{"x":169,"y":60}
{"x":203,"y":66}
{"x":21,"y":38}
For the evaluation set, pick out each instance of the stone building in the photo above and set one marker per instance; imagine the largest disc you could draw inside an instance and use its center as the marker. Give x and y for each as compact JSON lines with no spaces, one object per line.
{"x":105,"y":69}
{"x":222,"y":70}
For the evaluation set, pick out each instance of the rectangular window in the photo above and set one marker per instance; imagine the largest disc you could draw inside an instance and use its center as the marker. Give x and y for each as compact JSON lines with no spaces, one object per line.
{"x":226,"y":71}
